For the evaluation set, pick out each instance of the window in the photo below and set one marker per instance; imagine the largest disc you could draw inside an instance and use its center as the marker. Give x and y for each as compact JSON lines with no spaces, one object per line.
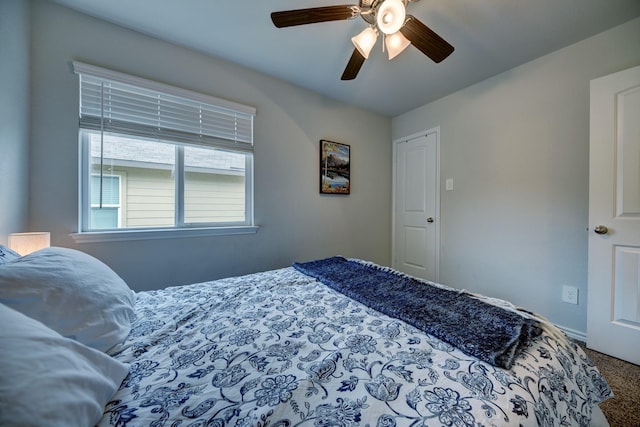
{"x":105,"y":210}
{"x":158,"y":157}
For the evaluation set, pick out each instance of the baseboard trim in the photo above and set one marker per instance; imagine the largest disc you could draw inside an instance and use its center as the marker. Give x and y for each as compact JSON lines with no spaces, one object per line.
{"x":572,"y":333}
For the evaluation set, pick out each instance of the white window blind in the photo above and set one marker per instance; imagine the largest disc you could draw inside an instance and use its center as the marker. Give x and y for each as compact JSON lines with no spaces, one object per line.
{"x":115,"y":102}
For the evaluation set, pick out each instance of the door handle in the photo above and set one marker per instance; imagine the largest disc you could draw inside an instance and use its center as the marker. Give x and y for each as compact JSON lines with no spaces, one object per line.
{"x":601,"y":229}
{"x":430,"y":219}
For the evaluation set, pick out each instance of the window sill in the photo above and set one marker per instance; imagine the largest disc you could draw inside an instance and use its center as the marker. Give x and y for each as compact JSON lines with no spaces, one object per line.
{"x":152,"y":234}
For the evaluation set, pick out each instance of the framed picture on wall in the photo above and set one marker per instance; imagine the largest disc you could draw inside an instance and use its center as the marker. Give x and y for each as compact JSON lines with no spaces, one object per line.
{"x":335,"y":168}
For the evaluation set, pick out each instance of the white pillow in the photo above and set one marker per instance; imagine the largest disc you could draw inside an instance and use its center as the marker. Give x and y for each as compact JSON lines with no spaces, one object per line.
{"x":72,"y":293}
{"x":47,"y":379}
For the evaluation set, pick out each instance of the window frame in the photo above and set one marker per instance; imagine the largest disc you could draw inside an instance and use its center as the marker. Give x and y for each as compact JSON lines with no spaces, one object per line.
{"x":179,"y":229}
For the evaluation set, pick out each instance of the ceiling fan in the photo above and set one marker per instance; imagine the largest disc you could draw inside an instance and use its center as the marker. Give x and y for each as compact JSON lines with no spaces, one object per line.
{"x":386,"y":16}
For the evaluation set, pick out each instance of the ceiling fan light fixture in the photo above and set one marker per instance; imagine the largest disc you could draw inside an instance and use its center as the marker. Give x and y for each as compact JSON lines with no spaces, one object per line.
{"x":390,"y":16}
{"x":395,"y":44}
{"x":365,"y":41}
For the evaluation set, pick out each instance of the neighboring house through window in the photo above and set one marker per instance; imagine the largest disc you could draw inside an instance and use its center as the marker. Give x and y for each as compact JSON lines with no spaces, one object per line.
{"x":105,"y":210}
{"x":159,"y":157}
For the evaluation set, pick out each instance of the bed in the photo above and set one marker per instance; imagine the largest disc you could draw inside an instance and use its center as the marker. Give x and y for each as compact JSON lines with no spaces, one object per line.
{"x":293,"y":346}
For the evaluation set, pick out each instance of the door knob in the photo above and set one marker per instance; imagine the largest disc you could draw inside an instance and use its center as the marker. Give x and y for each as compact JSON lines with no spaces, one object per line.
{"x":430,"y":220}
{"x":601,"y":229}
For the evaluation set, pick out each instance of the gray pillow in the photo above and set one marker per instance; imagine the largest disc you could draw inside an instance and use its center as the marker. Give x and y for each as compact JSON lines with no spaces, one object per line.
{"x":72,"y":293}
{"x":7,"y":254}
{"x":50,"y":380}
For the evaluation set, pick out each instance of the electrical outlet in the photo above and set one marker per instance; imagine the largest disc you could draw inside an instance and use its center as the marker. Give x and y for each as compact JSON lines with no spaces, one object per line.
{"x":570,"y":294}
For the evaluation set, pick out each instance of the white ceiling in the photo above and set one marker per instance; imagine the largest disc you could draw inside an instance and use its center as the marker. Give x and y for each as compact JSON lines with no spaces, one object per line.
{"x":489,"y":36}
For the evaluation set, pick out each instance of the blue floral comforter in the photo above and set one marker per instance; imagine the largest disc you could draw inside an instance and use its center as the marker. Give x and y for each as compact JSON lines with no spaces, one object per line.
{"x":281,"y":349}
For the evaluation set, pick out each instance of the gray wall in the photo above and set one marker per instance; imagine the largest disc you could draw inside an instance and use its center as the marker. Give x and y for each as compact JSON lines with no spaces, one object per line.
{"x":296,"y":223}
{"x":14,"y":117}
{"x":517,"y":147}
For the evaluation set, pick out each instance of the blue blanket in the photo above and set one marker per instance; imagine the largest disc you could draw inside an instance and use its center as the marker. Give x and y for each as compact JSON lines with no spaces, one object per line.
{"x":487,"y":332}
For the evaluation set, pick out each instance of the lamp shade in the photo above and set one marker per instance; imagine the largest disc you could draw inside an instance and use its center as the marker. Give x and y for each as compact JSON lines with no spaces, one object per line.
{"x":25,"y":243}
{"x":395,"y":44}
{"x":391,"y":15}
{"x":365,"y":41}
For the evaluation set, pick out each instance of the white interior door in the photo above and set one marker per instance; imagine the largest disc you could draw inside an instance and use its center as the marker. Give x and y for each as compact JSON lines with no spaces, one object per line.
{"x":416,"y":206}
{"x":613,"y":318}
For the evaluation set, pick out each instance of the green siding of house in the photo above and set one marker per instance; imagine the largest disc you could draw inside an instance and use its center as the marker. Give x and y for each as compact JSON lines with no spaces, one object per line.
{"x":214,"y":197}
{"x":148,"y":197}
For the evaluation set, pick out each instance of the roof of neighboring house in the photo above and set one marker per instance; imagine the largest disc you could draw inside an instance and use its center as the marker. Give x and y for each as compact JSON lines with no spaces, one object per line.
{"x":151,"y":153}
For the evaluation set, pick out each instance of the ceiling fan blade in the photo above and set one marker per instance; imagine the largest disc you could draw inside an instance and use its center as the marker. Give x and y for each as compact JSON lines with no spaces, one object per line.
{"x":428,"y":42}
{"x":289,"y":18}
{"x":353,"y":66}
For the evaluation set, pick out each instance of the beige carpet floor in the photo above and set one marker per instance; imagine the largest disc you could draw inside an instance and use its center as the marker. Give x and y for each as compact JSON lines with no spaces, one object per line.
{"x":624,"y":379}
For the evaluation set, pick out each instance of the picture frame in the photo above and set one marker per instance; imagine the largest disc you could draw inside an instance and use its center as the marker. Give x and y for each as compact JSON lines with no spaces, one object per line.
{"x":335,"y":167}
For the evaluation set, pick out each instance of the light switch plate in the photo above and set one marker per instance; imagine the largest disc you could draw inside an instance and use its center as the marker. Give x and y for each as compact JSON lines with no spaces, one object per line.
{"x":448,"y":186}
